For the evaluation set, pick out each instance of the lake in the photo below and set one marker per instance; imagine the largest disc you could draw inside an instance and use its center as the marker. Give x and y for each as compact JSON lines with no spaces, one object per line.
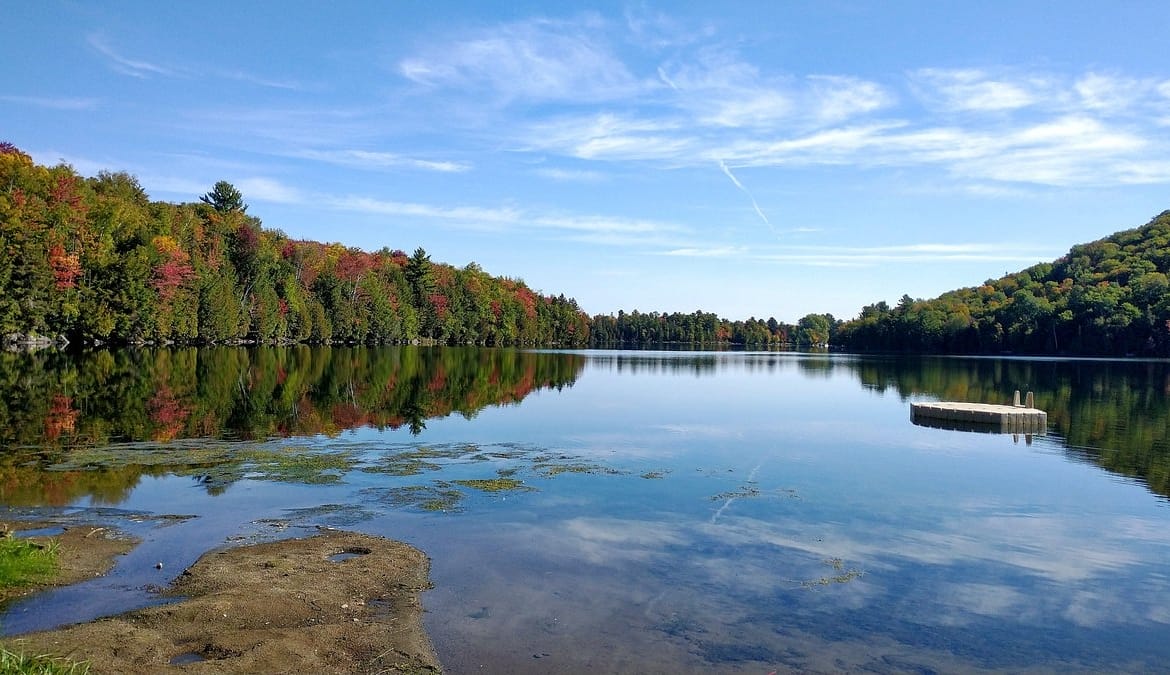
{"x":620,"y":511}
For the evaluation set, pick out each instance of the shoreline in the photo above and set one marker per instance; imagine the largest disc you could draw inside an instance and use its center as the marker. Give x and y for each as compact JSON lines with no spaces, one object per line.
{"x":334,"y":602}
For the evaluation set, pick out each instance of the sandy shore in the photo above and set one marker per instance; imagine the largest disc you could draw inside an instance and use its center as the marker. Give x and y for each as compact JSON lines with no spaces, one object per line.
{"x":338,"y":602}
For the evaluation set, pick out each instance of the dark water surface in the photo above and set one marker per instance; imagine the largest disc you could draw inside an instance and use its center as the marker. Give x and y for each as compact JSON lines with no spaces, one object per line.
{"x":634,"y":511}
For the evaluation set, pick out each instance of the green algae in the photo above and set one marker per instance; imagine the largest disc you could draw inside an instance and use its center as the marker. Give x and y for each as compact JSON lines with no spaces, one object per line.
{"x":842,"y":576}
{"x":436,"y":497}
{"x":296,"y":465}
{"x":743,"y":492}
{"x":500,"y":484}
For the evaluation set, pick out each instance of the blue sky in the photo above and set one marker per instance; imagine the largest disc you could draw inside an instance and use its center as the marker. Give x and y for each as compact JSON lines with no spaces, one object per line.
{"x":747,"y":158}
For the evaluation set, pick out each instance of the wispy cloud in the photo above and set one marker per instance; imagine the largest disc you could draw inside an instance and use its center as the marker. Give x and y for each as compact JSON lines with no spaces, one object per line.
{"x":270,"y":190}
{"x":596,"y":229}
{"x":143,"y":69}
{"x":571,"y":175}
{"x":608,"y":136}
{"x":714,"y":252}
{"x":835,"y":256}
{"x":271,"y":83}
{"x":593,"y":223}
{"x":54,"y":103}
{"x":976,"y":90}
{"x":706,"y":103}
{"x":834,"y":98}
{"x":125,"y":65}
{"x":366,"y":159}
{"x":535,"y":60}
{"x":468,"y":214}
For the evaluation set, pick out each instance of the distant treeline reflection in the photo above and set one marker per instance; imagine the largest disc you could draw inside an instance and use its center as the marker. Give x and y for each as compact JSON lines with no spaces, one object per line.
{"x":51,"y":399}
{"x":1115,"y":414}
{"x":1112,"y":413}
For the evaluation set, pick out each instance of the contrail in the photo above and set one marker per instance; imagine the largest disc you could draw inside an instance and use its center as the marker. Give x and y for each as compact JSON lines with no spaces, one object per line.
{"x":752,"y":475}
{"x":759,"y":211}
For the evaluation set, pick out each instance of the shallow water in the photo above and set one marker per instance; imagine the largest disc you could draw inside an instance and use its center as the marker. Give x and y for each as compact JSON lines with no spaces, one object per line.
{"x":640,"y":511}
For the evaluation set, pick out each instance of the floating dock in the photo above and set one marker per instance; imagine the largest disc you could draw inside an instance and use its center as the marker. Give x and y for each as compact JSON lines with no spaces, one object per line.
{"x":1008,"y":419}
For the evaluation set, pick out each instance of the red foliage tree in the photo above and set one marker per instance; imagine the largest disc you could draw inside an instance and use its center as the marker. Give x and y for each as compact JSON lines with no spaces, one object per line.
{"x":66,"y":267}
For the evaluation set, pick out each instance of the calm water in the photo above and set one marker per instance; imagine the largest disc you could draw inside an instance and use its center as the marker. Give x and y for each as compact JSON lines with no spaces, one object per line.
{"x":635,"y":511}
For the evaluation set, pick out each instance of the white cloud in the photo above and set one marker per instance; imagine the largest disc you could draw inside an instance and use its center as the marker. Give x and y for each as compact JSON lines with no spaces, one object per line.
{"x":603,"y":224}
{"x":608,"y":136}
{"x":538,"y":60}
{"x":587,"y":228}
{"x":82,"y":165}
{"x":981,"y":128}
{"x":127,"y":66}
{"x":838,"y":98}
{"x":289,"y":85}
{"x":470,"y":214}
{"x":759,"y":107}
{"x":269,"y":190}
{"x":658,"y":30}
{"x":571,"y":175}
{"x":975,"y":90}
{"x":188,"y":188}
{"x":721,"y":90}
{"x":608,"y":540}
{"x":1111,"y":94}
{"x":712,"y":252}
{"x":55,"y":103}
{"x":837,"y":256}
{"x":365,"y":159}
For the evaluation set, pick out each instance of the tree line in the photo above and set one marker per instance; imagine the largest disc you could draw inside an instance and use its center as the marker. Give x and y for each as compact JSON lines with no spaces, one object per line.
{"x":94,"y":260}
{"x":1108,"y":297}
{"x":705,"y":329}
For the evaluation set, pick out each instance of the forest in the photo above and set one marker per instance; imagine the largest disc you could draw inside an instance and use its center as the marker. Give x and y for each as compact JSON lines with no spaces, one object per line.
{"x":95,"y":261}
{"x":704,"y":329}
{"x":1110,"y":297}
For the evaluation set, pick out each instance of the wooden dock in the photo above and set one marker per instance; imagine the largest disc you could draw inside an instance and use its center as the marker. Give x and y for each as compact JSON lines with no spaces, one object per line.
{"x":1009,"y":419}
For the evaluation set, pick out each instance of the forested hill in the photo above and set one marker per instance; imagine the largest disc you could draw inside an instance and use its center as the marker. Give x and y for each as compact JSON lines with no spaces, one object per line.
{"x":1108,"y":297}
{"x":94,"y":260}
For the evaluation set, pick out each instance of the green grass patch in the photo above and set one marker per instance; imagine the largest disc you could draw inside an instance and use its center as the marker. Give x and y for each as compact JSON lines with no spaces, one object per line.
{"x":24,"y":562}
{"x":39,"y":664}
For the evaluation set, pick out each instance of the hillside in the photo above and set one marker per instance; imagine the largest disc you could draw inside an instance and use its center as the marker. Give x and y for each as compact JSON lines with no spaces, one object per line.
{"x":94,"y":260}
{"x":1107,"y":297}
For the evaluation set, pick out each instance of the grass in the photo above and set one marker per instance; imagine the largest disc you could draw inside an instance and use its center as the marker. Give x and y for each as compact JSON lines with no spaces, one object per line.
{"x":39,"y":664}
{"x":24,"y":562}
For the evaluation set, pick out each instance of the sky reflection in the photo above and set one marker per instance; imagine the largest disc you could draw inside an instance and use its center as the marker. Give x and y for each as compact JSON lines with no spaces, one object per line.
{"x":727,"y":512}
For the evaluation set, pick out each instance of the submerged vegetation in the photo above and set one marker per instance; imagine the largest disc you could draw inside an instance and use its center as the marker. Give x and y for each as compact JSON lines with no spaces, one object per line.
{"x":499,"y":484}
{"x":93,"y":424}
{"x":840,"y":575}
